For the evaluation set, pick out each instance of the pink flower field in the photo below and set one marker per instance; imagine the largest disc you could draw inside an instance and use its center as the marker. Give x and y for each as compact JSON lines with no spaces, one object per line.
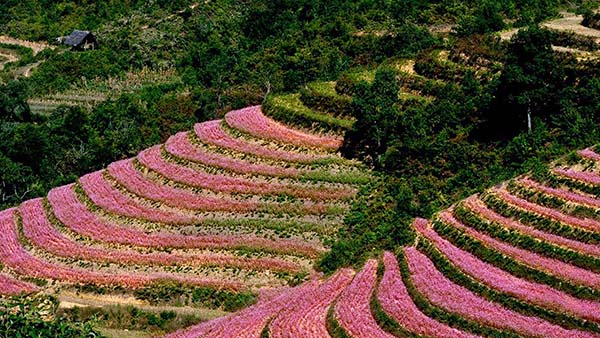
{"x":555,"y":267}
{"x":501,"y":280}
{"x":352,"y":309}
{"x":242,"y":210}
{"x":180,"y":146}
{"x":477,"y":206}
{"x":589,"y":154}
{"x":252,"y":121}
{"x":152,"y":159}
{"x":442,"y":292}
{"x":211,"y":133}
{"x":585,"y":223}
{"x":396,"y":301}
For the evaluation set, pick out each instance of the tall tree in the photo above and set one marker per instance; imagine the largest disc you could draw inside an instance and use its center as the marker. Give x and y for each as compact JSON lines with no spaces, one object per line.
{"x":376,"y":111}
{"x":530,"y":84}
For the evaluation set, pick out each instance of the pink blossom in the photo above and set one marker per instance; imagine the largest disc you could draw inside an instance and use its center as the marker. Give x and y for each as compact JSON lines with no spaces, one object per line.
{"x":538,"y":294}
{"x":396,"y":302}
{"x":252,"y":121}
{"x":561,"y":193}
{"x":10,"y":286}
{"x":549,"y":265}
{"x":250,"y":322}
{"x":589,"y":154}
{"x":13,"y":255}
{"x":38,"y":229}
{"x":127,"y":175}
{"x":211,"y":132}
{"x":109,"y":198}
{"x":584,"y":176}
{"x":477,"y":206}
{"x":133,"y":180}
{"x":353,"y":311}
{"x":585,"y":223}
{"x":443,"y":293}
{"x":308,"y":316}
{"x":75,"y":215}
{"x":180,"y":146}
{"x":152,"y":159}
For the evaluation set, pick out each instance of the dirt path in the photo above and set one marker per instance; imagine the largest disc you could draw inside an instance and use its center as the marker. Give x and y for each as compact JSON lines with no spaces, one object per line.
{"x":70,"y":299}
{"x":36,"y":47}
{"x":27,"y":69}
{"x":572,"y":22}
{"x":9,"y":58}
{"x":568,"y":22}
{"x":580,"y":54}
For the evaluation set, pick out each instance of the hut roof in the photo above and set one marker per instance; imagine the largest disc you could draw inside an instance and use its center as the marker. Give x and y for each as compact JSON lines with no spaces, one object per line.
{"x":76,"y":38}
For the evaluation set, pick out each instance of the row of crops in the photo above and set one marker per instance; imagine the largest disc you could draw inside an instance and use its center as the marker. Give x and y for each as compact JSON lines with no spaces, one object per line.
{"x":519,"y":260}
{"x":239,"y":204}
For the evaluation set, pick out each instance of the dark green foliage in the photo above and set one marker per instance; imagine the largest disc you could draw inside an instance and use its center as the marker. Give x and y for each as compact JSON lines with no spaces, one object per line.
{"x":205,"y":297}
{"x":119,"y":317}
{"x":430,"y":66}
{"x":290,"y":110}
{"x":13,"y":103}
{"x":532,"y":83}
{"x":573,"y":40}
{"x":591,"y":19}
{"x":376,"y":111}
{"x":41,"y":153}
{"x":37,"y":317}
{"x":336,"y":105}
{"x":379,"y":219}
{"x":487,"y":18}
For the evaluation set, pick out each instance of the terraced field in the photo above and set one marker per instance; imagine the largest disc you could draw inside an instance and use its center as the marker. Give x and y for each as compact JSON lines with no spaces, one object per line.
{"x":246,"y":204}
{"x":520,"y":260}
{"x":94,"y":91}
{"x":240,"y":204}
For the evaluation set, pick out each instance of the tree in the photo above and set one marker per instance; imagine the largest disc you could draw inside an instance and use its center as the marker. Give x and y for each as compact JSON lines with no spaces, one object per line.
{"x":530,"y":84}
{"x":13,"y":103}
{"x":376,"y":112}
{"x":486,"y":19}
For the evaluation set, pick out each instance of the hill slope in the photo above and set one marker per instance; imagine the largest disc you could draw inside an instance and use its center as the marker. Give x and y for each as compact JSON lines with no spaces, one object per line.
{"x":521,"y":259}
{"x":238,"y":205}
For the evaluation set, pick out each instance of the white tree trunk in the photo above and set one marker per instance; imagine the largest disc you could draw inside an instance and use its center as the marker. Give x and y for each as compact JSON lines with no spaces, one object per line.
{"x":529,"y":119}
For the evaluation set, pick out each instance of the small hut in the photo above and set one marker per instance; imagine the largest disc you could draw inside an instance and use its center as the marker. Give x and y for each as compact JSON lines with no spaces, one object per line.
{"x":80,"y":40}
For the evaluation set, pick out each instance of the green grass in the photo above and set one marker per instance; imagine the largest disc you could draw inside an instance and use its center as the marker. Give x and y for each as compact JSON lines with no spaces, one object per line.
{"x":289,"y":109}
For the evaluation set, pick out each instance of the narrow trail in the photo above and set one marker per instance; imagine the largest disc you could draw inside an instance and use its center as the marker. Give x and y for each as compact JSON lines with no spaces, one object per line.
{"x":568,"y":22}
{"x":9,"y":58}
{"x":71,"y":299}
{"x":35,"y":46}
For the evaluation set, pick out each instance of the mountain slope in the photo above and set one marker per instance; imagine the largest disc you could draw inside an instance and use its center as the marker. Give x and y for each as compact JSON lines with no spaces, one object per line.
{"x":237,"y":204}
{"x":521,"y":259}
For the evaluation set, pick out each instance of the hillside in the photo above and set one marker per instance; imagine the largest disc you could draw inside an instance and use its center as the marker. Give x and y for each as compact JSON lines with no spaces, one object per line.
{"x":300,"y":169}
{"x":520,"y":259}
{"x":232,"y":208}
